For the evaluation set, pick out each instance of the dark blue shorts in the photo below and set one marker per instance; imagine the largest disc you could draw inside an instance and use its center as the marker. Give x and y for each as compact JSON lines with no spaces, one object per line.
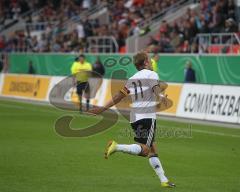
{"x":82,"y":87}
{"x":144,"y":130}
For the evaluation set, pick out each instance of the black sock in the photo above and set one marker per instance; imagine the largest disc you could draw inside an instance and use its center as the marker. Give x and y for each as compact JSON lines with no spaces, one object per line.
{"x":87,"y":104}
{"x":80,"y":104}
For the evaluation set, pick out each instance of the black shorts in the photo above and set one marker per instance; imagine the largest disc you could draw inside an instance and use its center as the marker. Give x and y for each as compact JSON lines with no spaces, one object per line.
{"x":144,"y":130}
{"x":81,"y":87}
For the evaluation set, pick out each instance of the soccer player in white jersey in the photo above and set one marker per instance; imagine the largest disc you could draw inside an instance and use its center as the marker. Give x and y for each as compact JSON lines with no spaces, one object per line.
{"x":145,"y":89}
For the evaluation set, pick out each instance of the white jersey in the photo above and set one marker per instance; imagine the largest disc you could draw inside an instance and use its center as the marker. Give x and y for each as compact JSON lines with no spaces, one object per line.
{"x":140,"y":88}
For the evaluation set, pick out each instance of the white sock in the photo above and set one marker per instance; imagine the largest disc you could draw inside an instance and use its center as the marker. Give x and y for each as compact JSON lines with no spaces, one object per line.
{"x":133,"y":149}
{"x":157,"y":167}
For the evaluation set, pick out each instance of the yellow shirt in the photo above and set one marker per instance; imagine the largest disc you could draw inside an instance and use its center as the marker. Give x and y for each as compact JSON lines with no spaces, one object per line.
{"x":154,"y":65}
{"x":81,"y":70}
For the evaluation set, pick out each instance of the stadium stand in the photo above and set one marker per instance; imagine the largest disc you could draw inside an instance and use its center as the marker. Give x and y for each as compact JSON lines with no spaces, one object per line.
{"x":43,"y":29}
{"x":181,"y":35}
{"x":69,"y":26}
{"x":123,"y":16}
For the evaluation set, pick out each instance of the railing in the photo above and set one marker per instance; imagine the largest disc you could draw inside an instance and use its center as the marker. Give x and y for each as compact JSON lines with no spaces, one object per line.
{"x":14,"y":24}
{"x":150,"y":21}
{"x":39,"y":26}
{"x":103,"y":44}
{"x":218,"y":42}
{"x":136,"y":42}
{"x":86,"y":13}
{"x":69,"y":23}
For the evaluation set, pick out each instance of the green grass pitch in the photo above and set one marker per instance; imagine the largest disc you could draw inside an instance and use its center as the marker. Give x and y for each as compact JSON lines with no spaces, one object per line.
{"x":34,"y":158}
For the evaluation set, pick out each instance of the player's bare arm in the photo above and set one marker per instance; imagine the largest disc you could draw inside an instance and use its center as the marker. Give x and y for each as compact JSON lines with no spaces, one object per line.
{"x":116,"y":99}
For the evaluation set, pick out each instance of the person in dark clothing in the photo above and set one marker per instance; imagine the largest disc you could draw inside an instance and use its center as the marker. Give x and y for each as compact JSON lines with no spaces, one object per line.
{"x":98,"y":67}
{"x":1,"y":65}
{"x":189,"y":73}
{"x":31,"y":70}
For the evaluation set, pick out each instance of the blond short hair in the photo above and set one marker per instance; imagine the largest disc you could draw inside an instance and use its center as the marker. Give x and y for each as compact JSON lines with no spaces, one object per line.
{"x":139,"y":59}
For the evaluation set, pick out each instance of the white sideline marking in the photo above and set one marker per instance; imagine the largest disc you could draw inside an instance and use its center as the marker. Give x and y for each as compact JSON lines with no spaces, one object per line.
{"x":24,"y":115}
{"x":11,"y":106}
{"x":30,"y":109}
{"x":43,"y":110}
{"x":215,"y":133}
{"x":120,"y":120}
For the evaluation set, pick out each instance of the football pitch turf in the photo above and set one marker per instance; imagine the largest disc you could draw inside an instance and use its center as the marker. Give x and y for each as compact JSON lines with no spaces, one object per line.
{"x":34,"y":158}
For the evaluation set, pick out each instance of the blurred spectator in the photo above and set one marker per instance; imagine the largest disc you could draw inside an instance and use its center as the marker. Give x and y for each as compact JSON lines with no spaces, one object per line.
{"x":98,"y":67}
{"x":15,"y":10}
{"x":31,"y":70}
{"x":2,"y":42}
{"x":86,"y":4}
{"x":186,"y":47}
{"x":231,"y":9}
{"x":88,"y":28}
{"x":194,"y":47}
{"x":230,"y":26}
{"x":80,"y":30}
{"x":189,"y":73}
{"x":216,"y":19}
{"x":1,"y":64}
{"x":164,"y":27}
{"x":175,"y":39}
{"x":164,"y":44}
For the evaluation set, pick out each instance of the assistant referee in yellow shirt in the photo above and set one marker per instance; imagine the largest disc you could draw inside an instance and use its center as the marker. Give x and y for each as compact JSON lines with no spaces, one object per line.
{"x":81,"y":70}
{"x":154,"y":61}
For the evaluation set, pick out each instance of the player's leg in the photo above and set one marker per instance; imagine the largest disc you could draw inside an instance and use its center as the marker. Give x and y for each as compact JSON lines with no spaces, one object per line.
{"x":156,"y":164}
{"x":79,"y":93}
{"x":132,"y":149}
{"x":157,"y":167}
{"x":153,"y":157}
{"x":80,"y":102}
{"x":142,"y":136}
{"x":87,"y":95}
